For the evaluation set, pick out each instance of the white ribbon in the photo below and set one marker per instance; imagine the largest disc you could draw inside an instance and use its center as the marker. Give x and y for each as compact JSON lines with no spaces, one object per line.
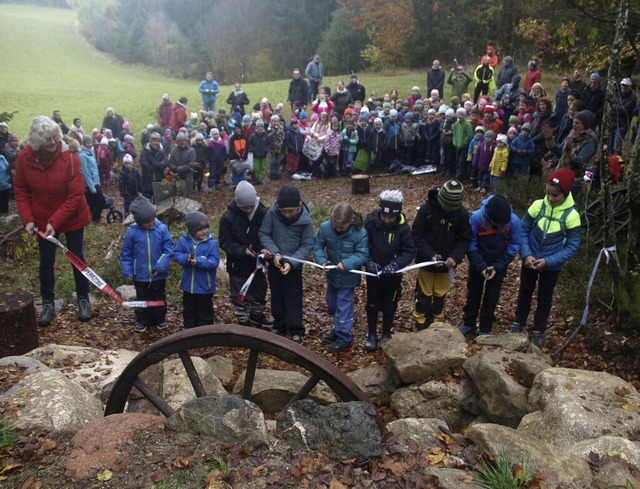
{"x":605,"y":252}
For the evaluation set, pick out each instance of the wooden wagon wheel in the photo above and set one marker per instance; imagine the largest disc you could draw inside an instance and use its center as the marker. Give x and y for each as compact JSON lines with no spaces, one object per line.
{"x":593,"y":215}
{"x":230,"y":336}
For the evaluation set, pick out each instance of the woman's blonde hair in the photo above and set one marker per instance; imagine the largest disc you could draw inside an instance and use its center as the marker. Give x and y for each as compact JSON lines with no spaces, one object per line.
{"x":343,"y":213}
{"x":40,"y":130}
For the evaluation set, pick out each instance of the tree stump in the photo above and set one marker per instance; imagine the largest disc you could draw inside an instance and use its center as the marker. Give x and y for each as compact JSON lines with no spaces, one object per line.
{"x":360,"y":184}
{"x":18,"y":326}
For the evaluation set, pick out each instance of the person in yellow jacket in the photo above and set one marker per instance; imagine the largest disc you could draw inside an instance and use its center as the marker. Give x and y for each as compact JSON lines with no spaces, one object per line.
{"x":499,"y":161}
{"x":483,"y":76}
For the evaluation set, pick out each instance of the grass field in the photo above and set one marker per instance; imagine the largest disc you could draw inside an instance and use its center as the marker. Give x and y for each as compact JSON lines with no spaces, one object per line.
{"x":46,"y":64}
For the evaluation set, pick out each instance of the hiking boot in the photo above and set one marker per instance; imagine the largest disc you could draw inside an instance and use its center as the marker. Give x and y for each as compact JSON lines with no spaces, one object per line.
{"x":161,"y":326}
{"x":337,"y":346}
{"x":467,"y":330}
{"x":372,"y":342}
{"x":330,"y":337}
{"x":261,"y":320}
{"x":298,"y":338}
{"x":139,"y":328}
{"x":537,"y":339}
{"x":84,"y":309}
{"x":385,"y":337}
{"x":516,"y":328}
{"x":47,"y":313}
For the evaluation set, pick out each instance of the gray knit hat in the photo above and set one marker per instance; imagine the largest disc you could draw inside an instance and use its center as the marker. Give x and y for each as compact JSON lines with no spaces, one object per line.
{"x":195,"y":221}
{"x":450,"y":195}
{"x":245,"y":194}
{"x":142,"y":209}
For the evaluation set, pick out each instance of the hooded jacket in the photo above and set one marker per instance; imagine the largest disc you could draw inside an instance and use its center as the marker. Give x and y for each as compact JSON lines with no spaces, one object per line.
{"x":389,"y":243}
{"x":153,"y":164}
{"x":201,"y":277}
{"x":237,"y":233}
{"x":350,"y":247}
{"x":145,"y":252}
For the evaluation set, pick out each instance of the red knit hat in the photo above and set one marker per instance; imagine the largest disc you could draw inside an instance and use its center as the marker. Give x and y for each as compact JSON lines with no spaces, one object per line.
{"x":563,"y":178}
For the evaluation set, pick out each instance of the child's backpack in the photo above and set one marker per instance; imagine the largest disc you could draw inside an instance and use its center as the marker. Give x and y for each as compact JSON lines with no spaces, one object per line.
{"x":562,"y":220}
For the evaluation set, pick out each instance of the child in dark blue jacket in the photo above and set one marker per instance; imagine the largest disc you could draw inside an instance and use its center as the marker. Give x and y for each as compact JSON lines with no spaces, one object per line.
{"x":145,"y":257}
{"x":196,"y":251}
{"x":495,"y":242}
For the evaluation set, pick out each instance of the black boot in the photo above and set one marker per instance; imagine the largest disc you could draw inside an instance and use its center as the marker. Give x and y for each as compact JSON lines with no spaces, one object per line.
{"x":372,"y":338}
{"x":387,"y":326}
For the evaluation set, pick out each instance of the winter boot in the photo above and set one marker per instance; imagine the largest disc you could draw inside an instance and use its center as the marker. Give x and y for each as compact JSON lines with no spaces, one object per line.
{"x":372,"y":338}
{"x":47,"y":313}
{"x":387,"y":326}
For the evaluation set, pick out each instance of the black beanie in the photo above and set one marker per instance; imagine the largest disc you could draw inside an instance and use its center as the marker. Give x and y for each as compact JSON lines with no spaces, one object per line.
{"x":499,"y":210}
{"x":289,"y":197}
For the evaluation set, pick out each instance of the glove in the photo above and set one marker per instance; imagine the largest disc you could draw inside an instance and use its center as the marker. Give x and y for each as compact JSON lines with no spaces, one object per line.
{"x":372,"y":267}
{"x":390,"y":269}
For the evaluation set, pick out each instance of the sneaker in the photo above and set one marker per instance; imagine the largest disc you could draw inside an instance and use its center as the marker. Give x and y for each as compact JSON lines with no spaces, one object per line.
{"x":537,"y":339}
{"x":467,"y":330}
{"x":337,"y":346}
{"x":298,"y":338}
{"x":84,"y":309}
{"x":47,"y":313}
{"x":330,"y":337}
{"x":161,"y":326}
{"x":139,"y":328}
{"x":516,"y":328}
{"x":262,"y":320}
{"x":280,"y":332}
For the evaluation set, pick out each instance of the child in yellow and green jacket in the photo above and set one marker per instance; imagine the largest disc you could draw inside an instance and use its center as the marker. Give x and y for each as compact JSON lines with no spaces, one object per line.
{"x":499,"y":161}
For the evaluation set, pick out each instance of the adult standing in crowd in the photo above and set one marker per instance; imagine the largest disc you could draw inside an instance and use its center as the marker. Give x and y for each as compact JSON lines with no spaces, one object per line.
{"x":356,"y":89}
{"x":593,"y":96}
{"x":183,"y":161}
{"x":178,"y":115}
{"x":341,"y":99}
{"x":577,"y":83}
{"x":238,"y":98}
{"x":209,"y":89}
{"x":459,"y":81}
{"x":112,"y":121}
{"x":507,"y":72}
{"x":533,"y":76}
{"x":164,"y":111}
{"x":315,"y":74}
{"x":622,"y":109}
{"x":57,"y":117}
{"x":153,"y":163}
{"x":49,"y":191}
{"x":435,"y":78}
{"x":483,"y":76}
{"x":298,"y":90}
{"x":92,"y":190}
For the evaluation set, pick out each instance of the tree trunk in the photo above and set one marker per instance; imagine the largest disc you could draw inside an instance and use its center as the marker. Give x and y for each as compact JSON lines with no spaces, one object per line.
{"x":18,"y":328}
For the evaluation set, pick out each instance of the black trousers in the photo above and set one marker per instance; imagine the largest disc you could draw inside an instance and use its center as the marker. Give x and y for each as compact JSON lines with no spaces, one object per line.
{"x":383,"y":294}
{"x":48,"y":259}
{"x":286,"y":300}
{"x":151,"y":291}
{"x":546,"y":281}
{"x":476,"y":285}
{"x":197,"y":309}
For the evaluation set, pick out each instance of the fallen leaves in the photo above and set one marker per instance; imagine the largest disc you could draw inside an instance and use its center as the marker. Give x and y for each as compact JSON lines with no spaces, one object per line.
{"x":105,"y":475}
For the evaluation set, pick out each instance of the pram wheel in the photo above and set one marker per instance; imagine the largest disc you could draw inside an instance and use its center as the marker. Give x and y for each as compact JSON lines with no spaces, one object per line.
{"x":114,"y":216}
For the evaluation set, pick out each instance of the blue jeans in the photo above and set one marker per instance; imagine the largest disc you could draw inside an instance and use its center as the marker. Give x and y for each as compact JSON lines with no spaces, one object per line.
{"x":48,"y":259}
{"x":349,"y":159}
{"x":495,"y":182}
{"x":617,"y":138}
{"x":484,"y":179}
{"x":340,"y":303}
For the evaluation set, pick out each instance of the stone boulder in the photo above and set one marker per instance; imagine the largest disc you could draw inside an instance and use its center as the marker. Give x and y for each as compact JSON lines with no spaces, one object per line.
{"x":222,"y":368}
{"x":510,"y":341}
{"x":177,"y":387}
{"x":127,"y":292}
{"x":553,"y":464}
{"x":433,"y":399}
{"x":345,"y":430}
{"x":418,"y":356}
{"x":608,"y":445}
{"x":31,"y":365}
{"x":230,"y":419}
{"x":97,"y":446}
{"x":376,"y":381}
{"x":452,"y":478}
{"x":570,"y":405}
{"x":273,"y":389}
{"x":502,"y":379}
{"x":49,"y":401}
{"x":421,"y":430}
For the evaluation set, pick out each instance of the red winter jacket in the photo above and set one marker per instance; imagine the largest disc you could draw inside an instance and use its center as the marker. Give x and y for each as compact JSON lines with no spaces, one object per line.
{"x":178,"y":117}
{"x":51,"y":191}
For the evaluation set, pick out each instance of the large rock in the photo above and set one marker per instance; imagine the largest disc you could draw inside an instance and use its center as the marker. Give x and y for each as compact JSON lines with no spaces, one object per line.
{"x":222,"y":368}
{"x":273,"y":389}
{"x":423,"y":431}
{"x":345,"y":430}
{"x":452,"y":478}
{"x":567,"y":406}
{"x":97,"y":446}
{"x":376,"y":381}
{"x":502,"y":379}
{"x":433,"y":399}
{"x":510,"y":341}
{"x":553,"y":464}
{"x":93,"y":369}
{"x":608,"y":445}
{"x":418,"y":356}
{"x":127,"y":292}
{"x":177,"y":386}
{"x":49,"y":401}
{"x":230,"y":419}
{"x":31,"y":365}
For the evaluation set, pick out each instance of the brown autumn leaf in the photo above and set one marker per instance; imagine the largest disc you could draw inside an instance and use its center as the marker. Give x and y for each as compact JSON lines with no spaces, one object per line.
{"x":336,"y":484}
{"x":182,"y":463}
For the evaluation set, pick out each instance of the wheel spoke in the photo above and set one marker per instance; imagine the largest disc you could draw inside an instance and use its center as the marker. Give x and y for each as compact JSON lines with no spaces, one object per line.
{"x":153,"y":398}
{"x":250,"y":374}
{"x":192,"y":373}
{"x":303,"y":392}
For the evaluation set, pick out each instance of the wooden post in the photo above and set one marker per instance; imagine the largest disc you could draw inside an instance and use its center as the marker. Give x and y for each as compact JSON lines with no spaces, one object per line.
{"x":360,"y":184}
{"x":18,"y":327}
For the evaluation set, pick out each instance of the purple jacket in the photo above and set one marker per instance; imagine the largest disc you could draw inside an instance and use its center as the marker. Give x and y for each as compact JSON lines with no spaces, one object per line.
{"x":483,"y":155}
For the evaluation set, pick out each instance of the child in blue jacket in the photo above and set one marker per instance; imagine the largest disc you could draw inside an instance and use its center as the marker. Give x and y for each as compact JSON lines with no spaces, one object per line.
{"x":341,"y":241}
{"x":495,"y":242}
{"x":196,"y":251}
{"x":145,"y":258}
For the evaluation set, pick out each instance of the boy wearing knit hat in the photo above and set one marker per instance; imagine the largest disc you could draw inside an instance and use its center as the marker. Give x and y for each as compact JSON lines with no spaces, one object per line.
{"x":239,"y":227}
{"x":287,"y":229}
{"x":129,"y":183}
{"x":196,"y":251}
{"x":550,"y":237}
{"x":391,"y":247}
{"x":442,"y":233}
{"x":495,"y":242}
{"x":145,"y":257}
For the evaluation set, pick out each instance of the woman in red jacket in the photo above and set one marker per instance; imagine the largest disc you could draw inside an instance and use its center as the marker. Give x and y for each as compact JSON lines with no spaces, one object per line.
{"x":49,"y":192}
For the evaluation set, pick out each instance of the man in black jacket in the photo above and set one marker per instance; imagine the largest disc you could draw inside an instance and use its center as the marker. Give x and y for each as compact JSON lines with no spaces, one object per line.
{"x":435,"y":78}
{"x":298,"y":90}
{"x":356,"y":89}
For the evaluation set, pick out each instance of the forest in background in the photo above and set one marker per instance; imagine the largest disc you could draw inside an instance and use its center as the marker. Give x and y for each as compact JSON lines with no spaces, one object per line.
{"x":252,"y":41}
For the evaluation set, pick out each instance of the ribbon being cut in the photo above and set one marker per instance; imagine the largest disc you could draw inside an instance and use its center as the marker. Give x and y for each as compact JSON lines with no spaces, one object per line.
{"x":360,"y":272}
{"x":94,"y":278}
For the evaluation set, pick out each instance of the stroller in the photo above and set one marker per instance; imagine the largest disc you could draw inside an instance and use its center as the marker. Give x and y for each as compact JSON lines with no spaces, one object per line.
{"x":113,"y":215}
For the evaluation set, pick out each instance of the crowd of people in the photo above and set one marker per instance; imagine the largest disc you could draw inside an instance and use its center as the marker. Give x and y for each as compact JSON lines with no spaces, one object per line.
{"x":502,"y":131}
